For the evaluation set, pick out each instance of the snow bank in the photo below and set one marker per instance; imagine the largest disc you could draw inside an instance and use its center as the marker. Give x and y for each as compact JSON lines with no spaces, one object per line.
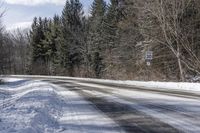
{"x":40,"y":107}
{"x":171,"y":86}
{"x":12,"y":79}
{"x":166,"y":85}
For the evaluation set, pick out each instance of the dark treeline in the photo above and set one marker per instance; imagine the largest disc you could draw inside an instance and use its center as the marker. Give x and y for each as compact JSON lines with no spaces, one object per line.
{"x":14,"y":52}
{"x":110,"y":42}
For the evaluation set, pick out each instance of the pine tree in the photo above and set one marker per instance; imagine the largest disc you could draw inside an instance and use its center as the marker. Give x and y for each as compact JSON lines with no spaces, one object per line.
{"x":129,"y":37}
{"x":111,"y":24}
{"x":42,"y":47}
{"x":111,"y":38}
{"x":58,"y":41}
{"x":95,"y":41}
{"x":72,"y":19}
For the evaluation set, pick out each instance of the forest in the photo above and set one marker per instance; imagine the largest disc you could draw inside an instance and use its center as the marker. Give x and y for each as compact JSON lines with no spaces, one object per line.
{"x":110,"y":42}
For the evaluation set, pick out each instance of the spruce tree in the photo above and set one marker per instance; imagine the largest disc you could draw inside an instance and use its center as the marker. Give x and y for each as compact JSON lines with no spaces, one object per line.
{"x":111,"y":38}
{"x":96,"y":44}
{"x":42,"y":47}
{"x":72,"y":20}
{"x":58,"y":41}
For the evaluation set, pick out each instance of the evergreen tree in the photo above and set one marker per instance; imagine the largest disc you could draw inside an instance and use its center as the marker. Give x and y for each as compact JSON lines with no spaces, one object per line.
{"x":42,"y":47}
{"x":111,"y":38}
{"x":111,"y":24}
{"x":72,"y":20}
{"x":95,"y":42}
{"x":58,"y":41}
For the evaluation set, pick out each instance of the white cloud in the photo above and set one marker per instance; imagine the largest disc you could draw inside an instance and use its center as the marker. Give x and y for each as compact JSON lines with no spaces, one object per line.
{"x":35,"y":2}
{"x":20,"y":25}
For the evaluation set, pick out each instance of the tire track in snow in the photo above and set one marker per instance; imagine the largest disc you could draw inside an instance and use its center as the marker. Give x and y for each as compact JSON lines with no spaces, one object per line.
{"x":129,"y":119}
{"x":184,"y":121}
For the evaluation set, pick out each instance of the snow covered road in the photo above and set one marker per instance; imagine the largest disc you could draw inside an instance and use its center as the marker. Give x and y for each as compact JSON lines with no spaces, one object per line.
{"x":40,"y":107}
{"x":156,"y":111}
{"x":73,"y":106}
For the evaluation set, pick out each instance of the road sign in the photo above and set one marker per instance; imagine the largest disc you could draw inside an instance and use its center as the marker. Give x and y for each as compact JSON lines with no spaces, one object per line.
{"x":149,"y":55}
{"x":148,"y":63}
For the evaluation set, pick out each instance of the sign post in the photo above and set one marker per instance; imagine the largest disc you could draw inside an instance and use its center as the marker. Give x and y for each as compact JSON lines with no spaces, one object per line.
{"x":148,"y":58}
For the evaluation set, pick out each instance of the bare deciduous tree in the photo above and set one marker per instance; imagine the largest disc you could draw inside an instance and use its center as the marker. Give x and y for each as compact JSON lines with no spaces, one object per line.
{"x":162,"y":22}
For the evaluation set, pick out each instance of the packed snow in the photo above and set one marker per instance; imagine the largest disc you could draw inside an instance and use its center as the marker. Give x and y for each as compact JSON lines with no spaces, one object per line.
{"x":39,"y":107}
{"x":181,"y":113}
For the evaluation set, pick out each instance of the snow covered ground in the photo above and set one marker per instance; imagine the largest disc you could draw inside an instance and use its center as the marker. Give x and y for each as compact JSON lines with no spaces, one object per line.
{"x":40,"y":107}
{"x":170,"y":86}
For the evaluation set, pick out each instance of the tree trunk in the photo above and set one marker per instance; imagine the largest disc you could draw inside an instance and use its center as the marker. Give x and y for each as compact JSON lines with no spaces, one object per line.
{"x":178,"y":55}
{"x":181,"y":73}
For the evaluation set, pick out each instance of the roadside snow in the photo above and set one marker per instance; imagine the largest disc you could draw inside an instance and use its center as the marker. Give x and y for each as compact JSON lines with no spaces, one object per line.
{"x":167,"y":86}
{"x":39,"y":107}
{"x":171,"y":86}
{"x":11,"y":79}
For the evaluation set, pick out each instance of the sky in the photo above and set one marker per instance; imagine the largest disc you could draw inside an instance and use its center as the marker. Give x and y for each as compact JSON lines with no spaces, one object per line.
{"x":20,"y":13}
